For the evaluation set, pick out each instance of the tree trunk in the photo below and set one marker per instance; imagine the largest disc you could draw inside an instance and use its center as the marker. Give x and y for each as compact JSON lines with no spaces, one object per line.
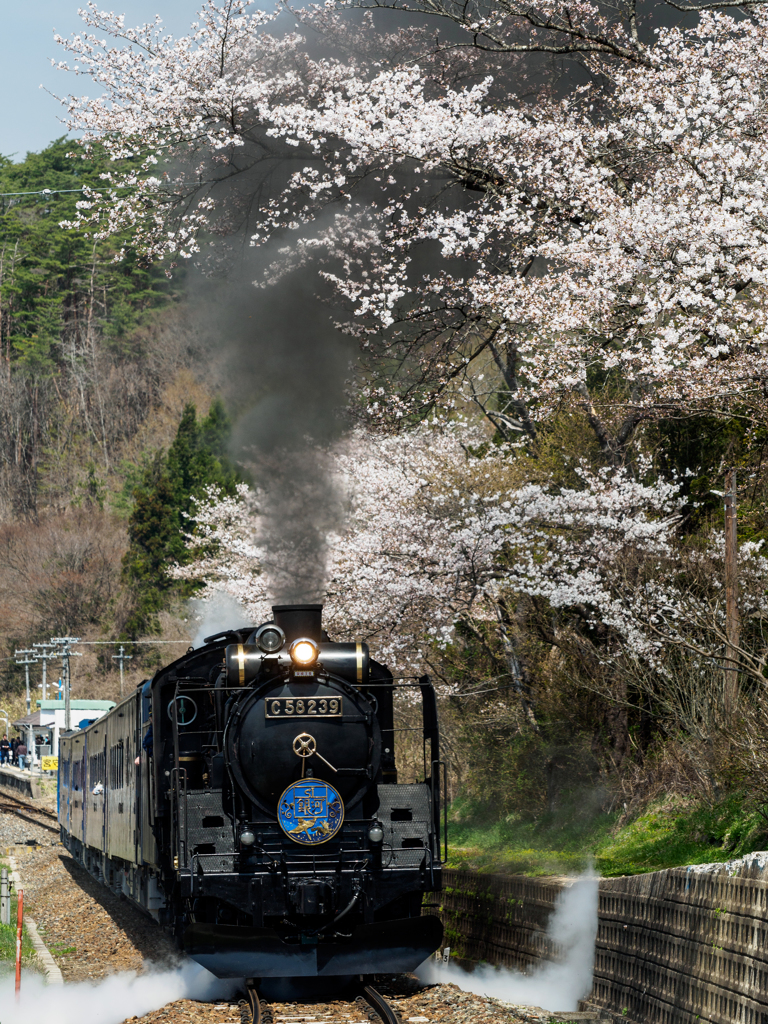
{"x":732,"y":626}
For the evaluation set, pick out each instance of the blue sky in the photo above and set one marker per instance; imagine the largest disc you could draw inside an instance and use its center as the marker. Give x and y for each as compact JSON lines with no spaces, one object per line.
{"x":28,"y":115}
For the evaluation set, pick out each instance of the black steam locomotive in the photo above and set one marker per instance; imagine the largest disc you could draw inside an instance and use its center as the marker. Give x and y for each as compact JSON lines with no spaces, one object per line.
{"x":247,"y":798}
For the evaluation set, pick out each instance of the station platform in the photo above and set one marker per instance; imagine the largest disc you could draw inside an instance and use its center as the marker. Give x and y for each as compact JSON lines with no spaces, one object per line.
{"x":24,"y":783}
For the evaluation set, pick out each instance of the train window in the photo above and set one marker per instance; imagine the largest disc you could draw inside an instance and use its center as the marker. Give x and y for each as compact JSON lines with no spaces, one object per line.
{"x":96,"y":769}
{"x":401,"y":814}
{"x":116,"y":766}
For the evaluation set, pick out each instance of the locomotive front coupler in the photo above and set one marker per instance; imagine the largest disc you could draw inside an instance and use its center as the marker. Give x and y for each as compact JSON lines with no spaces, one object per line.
{"x":358,"y":891}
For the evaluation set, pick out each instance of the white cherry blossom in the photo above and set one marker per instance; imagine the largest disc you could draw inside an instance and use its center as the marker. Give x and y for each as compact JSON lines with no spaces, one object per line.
{"x":617,"y":231}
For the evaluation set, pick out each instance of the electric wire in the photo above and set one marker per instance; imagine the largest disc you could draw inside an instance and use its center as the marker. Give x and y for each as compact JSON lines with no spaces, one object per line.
{"x":41,"y":192}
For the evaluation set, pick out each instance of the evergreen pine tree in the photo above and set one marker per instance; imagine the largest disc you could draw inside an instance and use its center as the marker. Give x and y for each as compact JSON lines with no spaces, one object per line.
{"x":162,"y":505}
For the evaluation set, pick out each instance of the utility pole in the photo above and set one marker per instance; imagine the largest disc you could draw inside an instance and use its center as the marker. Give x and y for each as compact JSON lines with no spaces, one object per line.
{"x":732,"y":625}
{"x":65,"y":644}
{"x":5,"y":898}
{"x":45,"y":655}
{"x":26,"y":662}
{"x":121,"y":658}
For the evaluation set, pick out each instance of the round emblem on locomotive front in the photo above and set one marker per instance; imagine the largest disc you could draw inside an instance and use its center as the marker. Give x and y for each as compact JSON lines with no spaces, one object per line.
{"x":310,"y":812}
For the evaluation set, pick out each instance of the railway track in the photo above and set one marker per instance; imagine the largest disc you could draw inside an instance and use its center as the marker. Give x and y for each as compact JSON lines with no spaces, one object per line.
{"x":368,"y":1007}
{"x":13,"y":805}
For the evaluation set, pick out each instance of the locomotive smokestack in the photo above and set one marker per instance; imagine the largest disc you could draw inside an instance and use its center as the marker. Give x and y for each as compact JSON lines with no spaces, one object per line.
{"x":299,"y":620}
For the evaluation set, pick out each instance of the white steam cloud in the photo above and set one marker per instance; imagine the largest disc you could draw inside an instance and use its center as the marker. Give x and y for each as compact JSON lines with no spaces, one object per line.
{"x":109,"y":1001}
{"x":214,"y":615}
{"x":554,"y":985}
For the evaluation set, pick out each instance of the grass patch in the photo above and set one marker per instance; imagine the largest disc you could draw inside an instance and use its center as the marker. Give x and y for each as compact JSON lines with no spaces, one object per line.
{"x":48,"y":786}
{"x":559,"y":844}
{"x":8,"y":946}
{"x":669,"y":833}
{"x":61,"y":949}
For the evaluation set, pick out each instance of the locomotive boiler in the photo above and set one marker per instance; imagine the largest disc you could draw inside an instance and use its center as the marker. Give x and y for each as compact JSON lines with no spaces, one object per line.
{"x":247,"y":798}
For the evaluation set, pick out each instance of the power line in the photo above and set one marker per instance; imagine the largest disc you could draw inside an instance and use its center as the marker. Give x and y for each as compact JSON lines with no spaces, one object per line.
{"x":111,"y":643}
{"x":61,"y":191}
{"x":42,"y":192}
{"x":114,"y":643}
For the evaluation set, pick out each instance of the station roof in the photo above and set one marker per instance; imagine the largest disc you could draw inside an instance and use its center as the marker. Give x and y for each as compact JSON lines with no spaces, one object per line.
{"x":35,"y":719}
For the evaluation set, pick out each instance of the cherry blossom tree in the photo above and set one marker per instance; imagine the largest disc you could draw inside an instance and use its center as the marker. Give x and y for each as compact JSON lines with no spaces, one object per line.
{"x":610,"y":244}
{"x":444,"y":540}
{"x":433,"y":536}
{"x":650,"y":252}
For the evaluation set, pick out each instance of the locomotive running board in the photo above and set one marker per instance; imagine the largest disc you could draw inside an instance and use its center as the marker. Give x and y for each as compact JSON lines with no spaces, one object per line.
{"x":385,"y":947}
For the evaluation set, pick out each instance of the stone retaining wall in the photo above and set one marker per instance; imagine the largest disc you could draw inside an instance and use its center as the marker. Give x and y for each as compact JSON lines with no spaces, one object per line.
{"x":686,"y":944}
{"x":501,"y":919}
{"x":673,"y":947}
{"x":15,"y":783}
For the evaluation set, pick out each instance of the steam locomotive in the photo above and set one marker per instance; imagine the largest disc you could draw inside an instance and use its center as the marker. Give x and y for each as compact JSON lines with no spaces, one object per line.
{"x":247,"y":798}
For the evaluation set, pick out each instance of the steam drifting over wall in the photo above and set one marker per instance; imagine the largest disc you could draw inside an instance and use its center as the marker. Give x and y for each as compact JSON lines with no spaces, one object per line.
{"x":672,"y":946}
{"x":556,"y":980}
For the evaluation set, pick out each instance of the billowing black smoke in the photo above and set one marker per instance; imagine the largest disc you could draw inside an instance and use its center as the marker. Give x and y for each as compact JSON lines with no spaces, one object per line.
{"x":284,"y":369}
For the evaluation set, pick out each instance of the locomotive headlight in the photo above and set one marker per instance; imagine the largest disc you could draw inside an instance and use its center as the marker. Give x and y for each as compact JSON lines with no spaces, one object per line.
{"x":270,"y":638}
{"x":375,"y":834}
{"x":304,"y":652}
{"x":247,"y":838}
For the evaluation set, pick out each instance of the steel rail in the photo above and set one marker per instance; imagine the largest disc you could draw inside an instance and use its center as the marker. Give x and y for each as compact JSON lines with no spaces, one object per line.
{"x":376,"y":1000}
{"x":10,"y":808}
{"x":254,"y":1010}
{"x":29,"y":806}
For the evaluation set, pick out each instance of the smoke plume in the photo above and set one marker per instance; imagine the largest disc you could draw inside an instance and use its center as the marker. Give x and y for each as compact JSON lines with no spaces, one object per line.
{"x":556,"y":986}
{"x":215,"y":614}
{"x":109,"y":1001}
{"x":285,"y":366}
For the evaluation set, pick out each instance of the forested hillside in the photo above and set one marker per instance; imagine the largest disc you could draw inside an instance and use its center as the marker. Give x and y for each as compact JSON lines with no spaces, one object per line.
{"x":104,"y":404}
{"x":79,"y":372}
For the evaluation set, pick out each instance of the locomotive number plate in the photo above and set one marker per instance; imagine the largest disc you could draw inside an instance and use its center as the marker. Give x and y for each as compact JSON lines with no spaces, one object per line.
{"x":303,"y":707}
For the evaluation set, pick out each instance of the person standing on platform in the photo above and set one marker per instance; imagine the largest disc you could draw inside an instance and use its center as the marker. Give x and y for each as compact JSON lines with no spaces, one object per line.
{"x":21,"y":754}
{"x":5,"y":750}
